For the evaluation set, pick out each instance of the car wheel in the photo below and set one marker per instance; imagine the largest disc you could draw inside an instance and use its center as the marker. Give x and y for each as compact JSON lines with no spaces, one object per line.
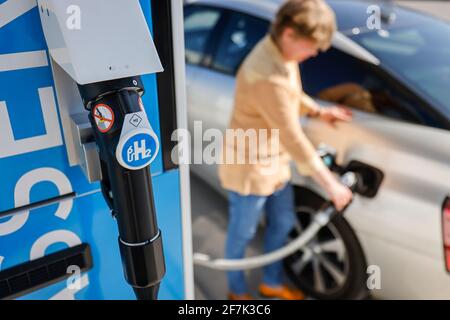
{"x":332,"y":265}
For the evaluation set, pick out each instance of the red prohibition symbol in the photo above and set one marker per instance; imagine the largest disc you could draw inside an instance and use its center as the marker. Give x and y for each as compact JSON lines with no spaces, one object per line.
{"x":104,"y":117}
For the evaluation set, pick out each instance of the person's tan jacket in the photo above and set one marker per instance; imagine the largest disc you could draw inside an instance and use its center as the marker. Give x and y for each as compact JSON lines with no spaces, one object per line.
{"x":268,"y":96}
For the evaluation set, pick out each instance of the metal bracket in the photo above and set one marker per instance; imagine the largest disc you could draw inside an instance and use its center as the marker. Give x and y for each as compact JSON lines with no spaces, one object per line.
{"x":85,"y":147}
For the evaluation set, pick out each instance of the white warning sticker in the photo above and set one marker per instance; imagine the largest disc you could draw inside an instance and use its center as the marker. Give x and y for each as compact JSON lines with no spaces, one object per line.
{"x":104,"y":117}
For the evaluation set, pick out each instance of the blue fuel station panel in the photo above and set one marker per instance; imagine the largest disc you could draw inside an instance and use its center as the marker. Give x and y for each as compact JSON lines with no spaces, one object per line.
{"x":34,"y":167}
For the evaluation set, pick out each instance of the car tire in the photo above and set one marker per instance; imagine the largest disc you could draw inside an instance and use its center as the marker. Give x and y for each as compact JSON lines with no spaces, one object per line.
{"x":348,"y":276}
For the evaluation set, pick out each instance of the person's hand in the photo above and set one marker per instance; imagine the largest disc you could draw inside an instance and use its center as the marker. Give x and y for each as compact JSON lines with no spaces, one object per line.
{"x":333,"y":114}
{"x":340,"y":195}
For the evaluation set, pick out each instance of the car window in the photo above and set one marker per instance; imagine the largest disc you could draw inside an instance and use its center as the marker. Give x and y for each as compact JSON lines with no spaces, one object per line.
{"x":339,"y":78}
{"x":419,"y":54}
{"x":241,"y":34}
{"x":199,"y":22}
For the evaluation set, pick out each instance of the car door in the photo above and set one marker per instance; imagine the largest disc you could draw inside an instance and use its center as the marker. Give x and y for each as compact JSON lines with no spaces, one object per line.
{"x":401,"y":229}
{"x":211,"y":90}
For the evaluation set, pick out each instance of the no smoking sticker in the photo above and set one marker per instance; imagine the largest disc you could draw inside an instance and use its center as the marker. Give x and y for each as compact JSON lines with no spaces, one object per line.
{"x":104,"y":117}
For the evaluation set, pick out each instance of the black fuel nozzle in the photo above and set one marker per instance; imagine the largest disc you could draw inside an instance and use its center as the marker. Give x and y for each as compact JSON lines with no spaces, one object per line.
{"x":127,"y":145}
{"x":350,"y":179}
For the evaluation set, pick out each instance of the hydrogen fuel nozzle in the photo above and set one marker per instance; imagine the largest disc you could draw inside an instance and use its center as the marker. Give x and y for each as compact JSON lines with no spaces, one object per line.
{"x":126,"y":146}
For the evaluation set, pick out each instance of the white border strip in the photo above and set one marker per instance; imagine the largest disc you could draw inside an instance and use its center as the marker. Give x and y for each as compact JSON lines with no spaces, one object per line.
{"x":180,"y":89}
{"x":12,"y":9}
{"x":23,"y":60}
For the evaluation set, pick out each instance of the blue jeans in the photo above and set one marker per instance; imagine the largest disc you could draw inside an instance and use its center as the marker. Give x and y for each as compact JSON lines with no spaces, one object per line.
{"x":245,"y":213}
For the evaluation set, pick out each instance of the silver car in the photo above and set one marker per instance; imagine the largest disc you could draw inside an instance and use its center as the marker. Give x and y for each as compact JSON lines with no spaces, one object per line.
{"x":397,"y":80}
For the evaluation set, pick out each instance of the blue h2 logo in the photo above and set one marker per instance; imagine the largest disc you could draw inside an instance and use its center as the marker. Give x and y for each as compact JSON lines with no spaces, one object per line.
{"x":137,"y":150}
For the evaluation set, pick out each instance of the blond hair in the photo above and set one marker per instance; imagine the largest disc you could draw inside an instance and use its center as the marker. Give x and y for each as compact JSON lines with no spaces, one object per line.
{"x":312,"y":19}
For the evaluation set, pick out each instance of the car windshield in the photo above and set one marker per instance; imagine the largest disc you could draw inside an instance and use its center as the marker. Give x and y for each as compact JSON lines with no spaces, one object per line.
{"x":416,"y":52}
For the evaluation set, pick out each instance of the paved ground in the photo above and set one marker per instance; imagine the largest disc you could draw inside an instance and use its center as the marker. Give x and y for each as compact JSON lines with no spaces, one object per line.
{"x":438,"y":8}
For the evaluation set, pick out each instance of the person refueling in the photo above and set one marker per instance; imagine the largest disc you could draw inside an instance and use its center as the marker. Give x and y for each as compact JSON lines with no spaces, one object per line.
{"x":269,"y":97}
